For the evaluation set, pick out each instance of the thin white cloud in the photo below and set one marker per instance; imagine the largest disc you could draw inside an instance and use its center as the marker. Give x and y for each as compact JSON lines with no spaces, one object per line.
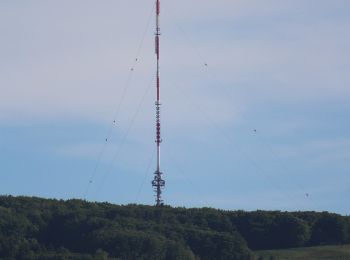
{"x":72,"y":59}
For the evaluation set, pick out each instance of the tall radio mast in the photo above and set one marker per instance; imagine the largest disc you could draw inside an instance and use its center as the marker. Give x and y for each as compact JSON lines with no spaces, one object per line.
{"x":158,"y":183}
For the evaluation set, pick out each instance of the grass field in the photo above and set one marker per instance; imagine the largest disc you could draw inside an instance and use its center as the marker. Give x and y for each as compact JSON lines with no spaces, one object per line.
{"x":307,"y":253}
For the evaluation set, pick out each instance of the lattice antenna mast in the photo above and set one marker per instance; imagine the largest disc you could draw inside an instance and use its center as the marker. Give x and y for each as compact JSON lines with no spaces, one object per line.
{"x":158,"y":183}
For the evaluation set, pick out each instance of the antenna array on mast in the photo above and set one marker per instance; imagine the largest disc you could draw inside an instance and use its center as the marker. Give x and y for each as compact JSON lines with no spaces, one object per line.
{"x":158,"y":183}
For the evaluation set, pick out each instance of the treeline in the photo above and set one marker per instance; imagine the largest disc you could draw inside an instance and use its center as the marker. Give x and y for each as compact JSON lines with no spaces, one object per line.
{"x":34,"y":228}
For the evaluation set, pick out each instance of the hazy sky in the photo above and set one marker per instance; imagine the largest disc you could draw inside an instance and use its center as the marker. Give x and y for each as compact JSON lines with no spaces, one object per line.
{"x":265,"y":125}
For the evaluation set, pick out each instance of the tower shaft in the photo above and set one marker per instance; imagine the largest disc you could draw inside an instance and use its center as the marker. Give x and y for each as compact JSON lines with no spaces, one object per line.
{"x":158,"y":183}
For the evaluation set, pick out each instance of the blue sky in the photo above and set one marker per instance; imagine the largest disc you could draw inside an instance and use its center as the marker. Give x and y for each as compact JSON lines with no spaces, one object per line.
{"x":263,"y":126}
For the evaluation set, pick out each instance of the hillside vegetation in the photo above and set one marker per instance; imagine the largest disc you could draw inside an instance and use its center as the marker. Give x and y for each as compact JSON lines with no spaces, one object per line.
{"x":309,"y":253}
{"x":34,"y":228}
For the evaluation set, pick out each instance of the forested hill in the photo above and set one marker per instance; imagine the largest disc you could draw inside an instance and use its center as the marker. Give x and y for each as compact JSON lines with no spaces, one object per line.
{"x":34,"y":228}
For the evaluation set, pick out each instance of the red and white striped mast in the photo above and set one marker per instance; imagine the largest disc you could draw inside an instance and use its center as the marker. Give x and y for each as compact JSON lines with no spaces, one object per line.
{"x":158,"y":183}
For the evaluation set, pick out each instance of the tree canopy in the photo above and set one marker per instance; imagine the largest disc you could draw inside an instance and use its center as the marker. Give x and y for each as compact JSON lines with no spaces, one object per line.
{"x":35,"y":228}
